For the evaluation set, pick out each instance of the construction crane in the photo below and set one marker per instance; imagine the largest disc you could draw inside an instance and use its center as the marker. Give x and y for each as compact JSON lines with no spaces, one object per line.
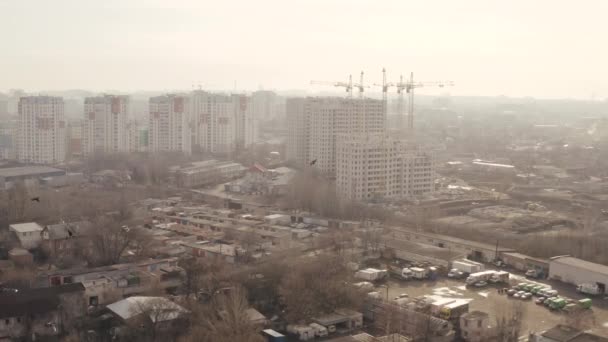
{"x":361,"y":86}
{"x":347,"y":85}
{"x":407,"y":86}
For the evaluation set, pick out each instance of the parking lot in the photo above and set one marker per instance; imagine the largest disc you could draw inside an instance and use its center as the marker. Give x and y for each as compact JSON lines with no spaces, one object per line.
{"x":486,"y":299}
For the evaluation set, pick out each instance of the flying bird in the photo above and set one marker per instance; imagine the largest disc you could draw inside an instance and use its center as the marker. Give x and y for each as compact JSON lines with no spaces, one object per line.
{"x":36,"y":199}
{"x":313,"y":162}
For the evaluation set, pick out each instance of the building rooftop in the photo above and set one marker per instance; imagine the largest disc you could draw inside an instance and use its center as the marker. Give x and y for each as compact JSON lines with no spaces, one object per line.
{"x":561,"y":333}
{"x":159,"y":309}
{"x":26,"y":227}
{"x":34,"y":301}
{"x":27,"y":171}
{"x":18,"y":252}
{"x":575,"y":262}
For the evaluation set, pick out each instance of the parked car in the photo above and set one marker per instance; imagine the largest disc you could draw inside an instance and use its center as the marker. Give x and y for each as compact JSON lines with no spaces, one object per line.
{"x":454,"y":273}
{"x":540,"y":300}
{"x":526,"y":296}
{"x":403,"y":295}
{"x":511,"y":292}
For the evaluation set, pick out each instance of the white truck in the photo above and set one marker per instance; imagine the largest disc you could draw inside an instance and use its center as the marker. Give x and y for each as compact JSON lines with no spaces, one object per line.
{"x":590,"y":289}
{"x":419,"y":273}
{"x":467,"y":266}
{"x":371,"y":274}
{"x":499,"y":277}
{"x":479,"y":276}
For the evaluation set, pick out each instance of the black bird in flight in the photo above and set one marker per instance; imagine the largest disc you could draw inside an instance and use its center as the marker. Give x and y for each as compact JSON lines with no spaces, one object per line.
{"x":313,"y":162}
{"x":36,"y":199}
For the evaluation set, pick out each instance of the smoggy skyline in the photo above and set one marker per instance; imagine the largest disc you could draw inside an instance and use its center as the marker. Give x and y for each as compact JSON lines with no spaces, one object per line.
{"x":547,"y":49}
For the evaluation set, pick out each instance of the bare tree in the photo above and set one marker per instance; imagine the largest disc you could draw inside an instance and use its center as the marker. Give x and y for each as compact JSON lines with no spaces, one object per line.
{"x":156,"y":318}
{"x":225,"y":319}
{"x":107,"y":241}
{"x":317,"y":286}
{"x":509,"y":319}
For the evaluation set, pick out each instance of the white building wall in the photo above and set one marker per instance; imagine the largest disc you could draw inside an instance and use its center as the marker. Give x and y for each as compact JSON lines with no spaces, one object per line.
{"x":575,"y":275}
{"x":169,"y":124}
{"x":41,"y":130}
{"x":105,"y":124}
{"x":315,"y":123}
{"x":374,"y":166}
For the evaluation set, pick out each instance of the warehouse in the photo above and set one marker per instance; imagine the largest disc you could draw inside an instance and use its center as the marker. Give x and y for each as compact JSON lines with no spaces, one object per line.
{"x":524,"y":263}
{"x":576,"y":271}
{"x":472,"y":249}
{"x":12,"y":174}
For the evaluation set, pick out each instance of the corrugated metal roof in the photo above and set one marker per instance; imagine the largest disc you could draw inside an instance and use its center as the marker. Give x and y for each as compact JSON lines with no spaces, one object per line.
{"x":26,"y":227}
{"x":586,"y":265}
{"x":158,"y":308}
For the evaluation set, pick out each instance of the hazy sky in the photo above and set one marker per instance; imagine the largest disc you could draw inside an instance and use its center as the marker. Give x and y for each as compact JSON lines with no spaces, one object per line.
{"x":541,"y":48}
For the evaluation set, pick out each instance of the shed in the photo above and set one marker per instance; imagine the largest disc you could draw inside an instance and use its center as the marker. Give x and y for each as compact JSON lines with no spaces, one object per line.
{"x":576,"y":271}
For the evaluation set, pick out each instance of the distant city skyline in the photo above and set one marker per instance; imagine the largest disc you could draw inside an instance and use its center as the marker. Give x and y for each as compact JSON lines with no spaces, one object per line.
{"x":543,"y":49}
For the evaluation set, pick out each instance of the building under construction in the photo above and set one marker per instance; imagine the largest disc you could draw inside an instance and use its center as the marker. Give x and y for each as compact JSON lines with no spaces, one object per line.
{"x":374,"y":166}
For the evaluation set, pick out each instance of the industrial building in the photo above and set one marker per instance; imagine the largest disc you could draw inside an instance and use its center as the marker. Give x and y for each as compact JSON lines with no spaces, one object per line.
{"x":471,"y":249}
{"x":315,"y":123}
{"x":41,"y":134}
{"x":374,"y":166}
{"x":524,"y":263}
{"x":12,"y":174}
{"x":576,"y":271}
{"x":206,"y":172}
{"x":104,"y":127}
{"x":169,"y":129}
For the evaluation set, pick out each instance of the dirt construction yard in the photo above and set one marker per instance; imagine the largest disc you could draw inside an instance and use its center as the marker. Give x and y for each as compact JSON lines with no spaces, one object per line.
{"x":487,"y":299}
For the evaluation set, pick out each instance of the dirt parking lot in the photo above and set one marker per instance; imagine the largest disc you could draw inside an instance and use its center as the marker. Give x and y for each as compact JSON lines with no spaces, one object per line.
{"x":485,"y":299}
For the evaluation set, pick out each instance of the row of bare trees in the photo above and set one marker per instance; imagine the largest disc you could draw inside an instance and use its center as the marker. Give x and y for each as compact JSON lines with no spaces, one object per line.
{"x":310,"y":190}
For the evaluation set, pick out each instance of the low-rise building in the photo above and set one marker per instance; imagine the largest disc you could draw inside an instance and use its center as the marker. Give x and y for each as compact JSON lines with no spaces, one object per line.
{"x":141,"y":313}
{"x":213,"y":251}
{"x":577,"y":271}
{"x":206,"y":172}
{"x":12,"y":174}
{"x":40,"y":312}
{"x":524,"y":263}
{"x":475,"y":326}
{"x":472,"y":249}
{"x":63,"y":238}
{"x":21,"y":257}
{"x":565,"y":333}
{"x":28,"y":234}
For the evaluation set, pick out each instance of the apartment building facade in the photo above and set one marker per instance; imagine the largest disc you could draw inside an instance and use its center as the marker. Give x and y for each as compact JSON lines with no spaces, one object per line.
{"x":375,"y":166}
{"x":315,"y":124}
{"x":41,"y":130}
{"x":222,"y":123}
{"x":104,"y":128}
{"x":169,"y":124}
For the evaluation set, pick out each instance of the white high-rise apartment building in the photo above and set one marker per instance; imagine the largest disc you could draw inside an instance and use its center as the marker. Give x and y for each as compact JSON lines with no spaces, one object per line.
{"x":379,"y":167}
{"x":315,"y":123}
{"x":41,"y":130}
{"x":169,"y":125}
{"x":267,"y":105}
{"x":104,"y":127}
{"x":222,"y":123}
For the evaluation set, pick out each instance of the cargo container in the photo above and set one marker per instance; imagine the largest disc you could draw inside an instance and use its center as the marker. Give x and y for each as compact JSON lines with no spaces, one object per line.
{"x":273,"y":336}
{"x":467,"y":266}
{"x":419,"y":273}
{"x":371,"y":274}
